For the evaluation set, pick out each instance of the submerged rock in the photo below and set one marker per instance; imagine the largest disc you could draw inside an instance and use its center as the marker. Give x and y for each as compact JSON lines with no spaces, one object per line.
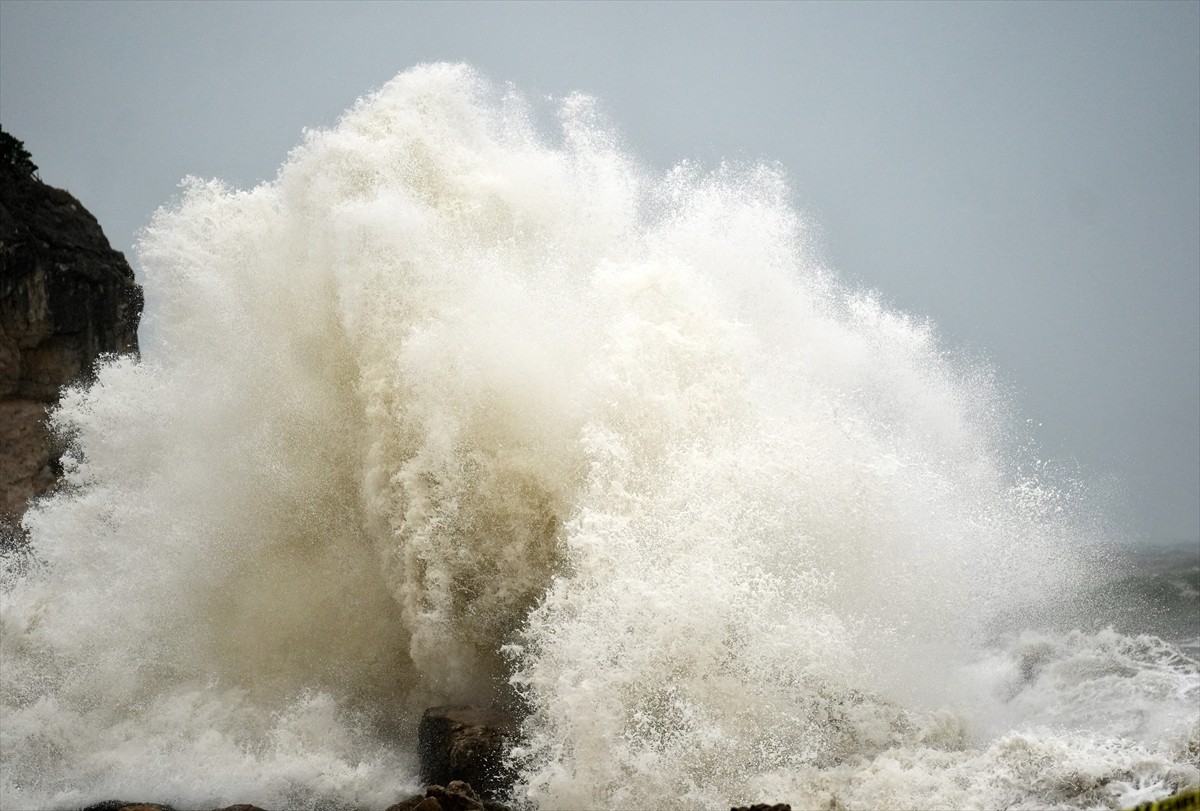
{"x":66,"y":297}
{"x":466,"y":744}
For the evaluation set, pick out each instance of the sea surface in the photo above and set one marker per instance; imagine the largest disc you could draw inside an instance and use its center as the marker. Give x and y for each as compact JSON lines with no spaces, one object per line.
{"x":456,"y":409}
{"x":1155,"y":590}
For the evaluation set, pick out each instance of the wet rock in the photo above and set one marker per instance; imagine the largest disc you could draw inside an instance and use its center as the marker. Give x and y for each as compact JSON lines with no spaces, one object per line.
{"x":762,"y":807}
{"x":121,"y":805}
{"x":415,"y":802}
{"x":66,"y":297}
{"x":458,"y":796}
{"x":467,"y":745}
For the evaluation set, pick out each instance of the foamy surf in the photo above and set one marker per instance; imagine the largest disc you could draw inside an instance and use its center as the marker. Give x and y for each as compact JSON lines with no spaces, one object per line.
{"x":453,"y":411}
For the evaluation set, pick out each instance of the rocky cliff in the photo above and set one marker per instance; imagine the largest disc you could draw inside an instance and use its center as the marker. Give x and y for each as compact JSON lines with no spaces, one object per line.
{"x":66,"y":297}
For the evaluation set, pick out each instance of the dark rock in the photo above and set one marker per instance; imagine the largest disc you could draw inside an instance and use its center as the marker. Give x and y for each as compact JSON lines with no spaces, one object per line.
{"x":121,"y":805}
{"x":413,"y":803}
{"x":468,"y":745}
{"x":762,"y":807}
{"x":66,"y":297}
{"x":458,"y":796}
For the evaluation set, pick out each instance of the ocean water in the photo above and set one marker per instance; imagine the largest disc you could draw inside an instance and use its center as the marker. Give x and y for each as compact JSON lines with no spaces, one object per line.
{"x":459,"y":410}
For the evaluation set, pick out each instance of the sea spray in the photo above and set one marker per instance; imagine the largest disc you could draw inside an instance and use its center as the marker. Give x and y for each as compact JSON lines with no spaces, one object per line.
{"x":454,"y":411}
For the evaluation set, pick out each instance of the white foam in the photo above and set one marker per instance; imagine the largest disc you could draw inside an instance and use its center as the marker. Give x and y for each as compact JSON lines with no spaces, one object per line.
{"x":449,"y":403}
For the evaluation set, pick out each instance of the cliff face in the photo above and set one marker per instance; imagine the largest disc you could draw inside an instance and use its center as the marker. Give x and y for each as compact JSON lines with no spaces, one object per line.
{"x":66,"y":297}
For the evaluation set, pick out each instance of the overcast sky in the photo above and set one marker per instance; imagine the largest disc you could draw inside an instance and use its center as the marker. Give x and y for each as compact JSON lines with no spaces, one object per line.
{"x":1027,"y":175}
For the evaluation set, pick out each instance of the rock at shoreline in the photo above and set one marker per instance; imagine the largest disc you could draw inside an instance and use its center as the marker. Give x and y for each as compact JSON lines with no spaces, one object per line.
{"x":466,"y":744}
{"x":66,"y":297}
{"x":457,"y":796}
{"x":120,"y":805}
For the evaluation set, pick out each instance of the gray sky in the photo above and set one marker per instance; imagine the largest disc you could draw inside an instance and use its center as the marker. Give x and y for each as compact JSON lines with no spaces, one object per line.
{"x":1027,"y":175}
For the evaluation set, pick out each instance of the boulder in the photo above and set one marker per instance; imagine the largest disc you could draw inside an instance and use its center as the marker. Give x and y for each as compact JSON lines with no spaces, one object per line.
{"x":457,"y":796}
{"x":122,"y":805}
{"x":466,"y":744}
{"x":415,"y":802}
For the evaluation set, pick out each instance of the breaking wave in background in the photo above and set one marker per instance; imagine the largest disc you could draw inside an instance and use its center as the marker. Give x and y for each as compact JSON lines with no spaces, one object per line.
{"x":452,"y":411}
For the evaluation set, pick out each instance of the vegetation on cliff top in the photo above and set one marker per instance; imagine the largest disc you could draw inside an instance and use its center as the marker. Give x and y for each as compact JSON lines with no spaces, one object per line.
{"x":13,"y":153}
